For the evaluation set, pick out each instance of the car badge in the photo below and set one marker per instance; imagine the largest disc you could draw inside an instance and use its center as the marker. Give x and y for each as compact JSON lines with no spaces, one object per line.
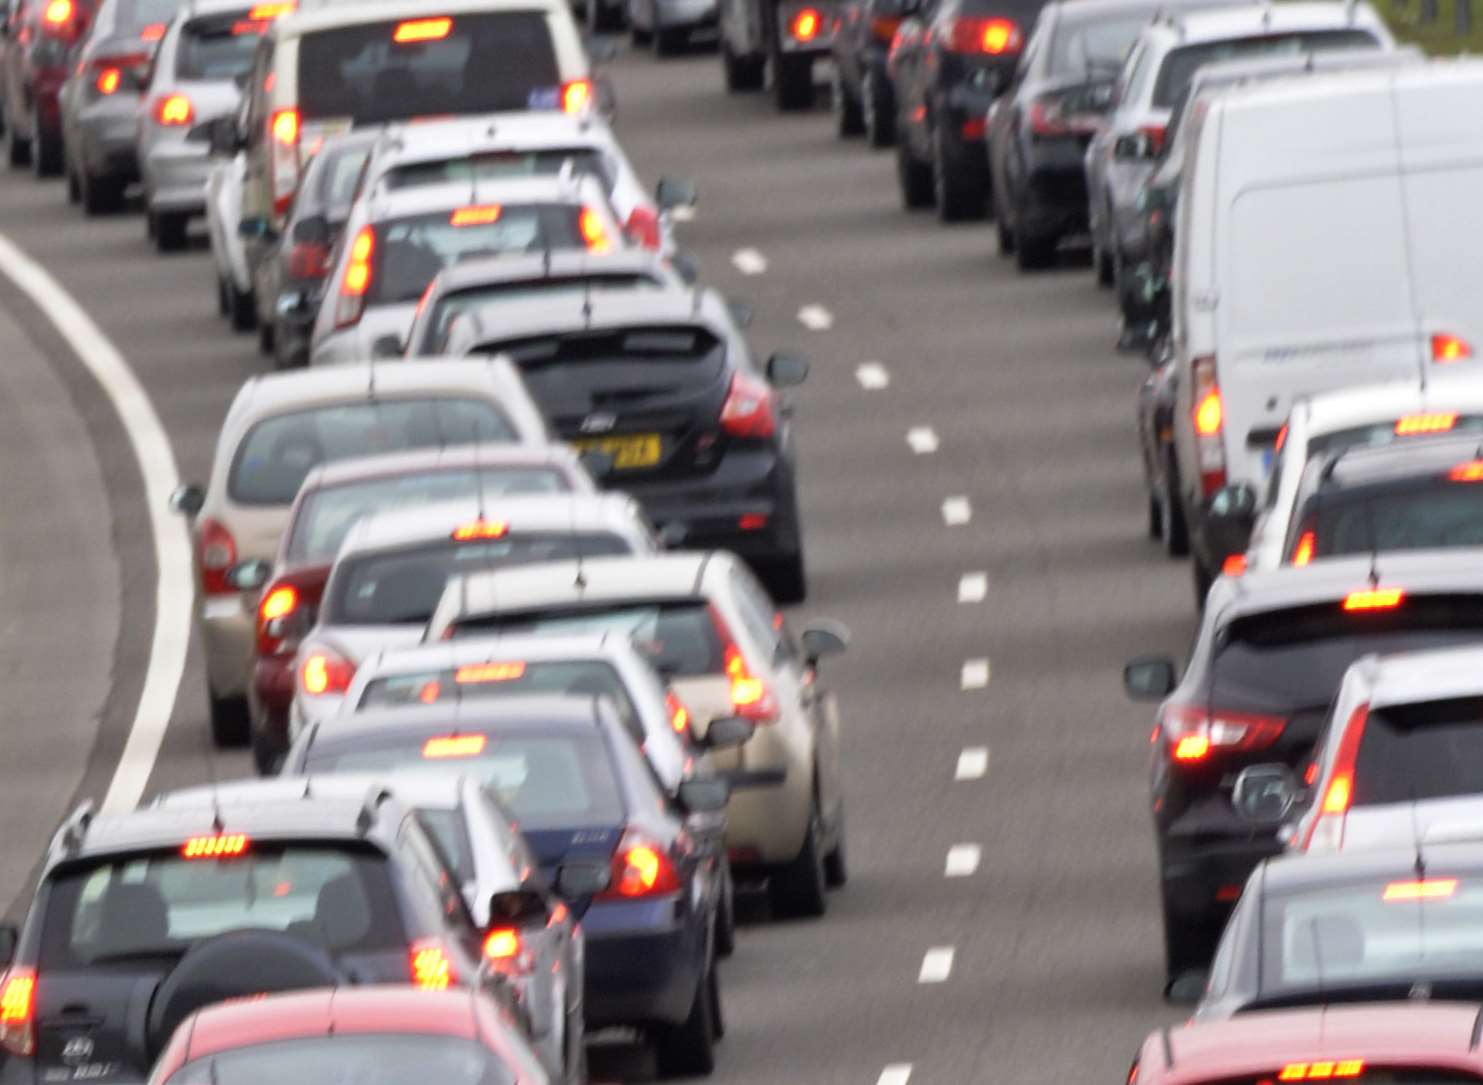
{"x":77,"y":1050}
{"x":599,"y":422}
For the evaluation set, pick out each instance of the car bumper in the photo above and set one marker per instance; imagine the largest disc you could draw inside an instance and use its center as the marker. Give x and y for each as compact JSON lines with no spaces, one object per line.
{"x":227,"y":631}
{"x":107,"y":135}
{"x":174,"y":175}
{"x":642,"y":964}
{"x":1201,"y":885}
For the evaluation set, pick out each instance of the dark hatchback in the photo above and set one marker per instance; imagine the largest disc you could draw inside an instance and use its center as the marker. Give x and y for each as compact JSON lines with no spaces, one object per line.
{"x":863,"y":100}
{"x":1266,"y":664}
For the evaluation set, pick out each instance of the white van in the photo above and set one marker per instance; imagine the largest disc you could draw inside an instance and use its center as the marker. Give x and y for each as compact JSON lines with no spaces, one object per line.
{"x":1329,"y":235}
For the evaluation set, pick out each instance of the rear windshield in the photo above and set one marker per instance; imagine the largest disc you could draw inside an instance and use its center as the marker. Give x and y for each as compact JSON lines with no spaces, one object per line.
{"x":219,"y":47}
{"x":338,"y":169}
{"x":486,"y":62}
{"x":277,"y":453}
{"x":357,"y":1056}
{"x":502,"y":165}
{"x":158,"y":905}
{"x":409,"y":252}
{"x":405,"y":585}
{"x":542,"y":780}
{"x":1424,"y":515}
{"x":679,"y":638}
{"x":1181,"y":64}
{"x":1429,"y":750}
{"x":453,"y":305}
{"x":1095,"y":47}
{"x":137,"y":14}
{"x":1383,"y":433}
{"x":328,"y":513}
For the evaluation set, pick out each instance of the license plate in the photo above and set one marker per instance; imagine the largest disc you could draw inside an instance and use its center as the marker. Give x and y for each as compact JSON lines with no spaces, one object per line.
{"x":628,"y":452}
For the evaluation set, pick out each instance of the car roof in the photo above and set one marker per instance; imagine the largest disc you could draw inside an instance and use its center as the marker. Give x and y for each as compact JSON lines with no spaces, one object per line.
{"x":567,"y":311}
{"x":328,"y":16}
{"x":272,"y":393}
{"x":417,"y":790}
{"x":490,"y":457}
{"x":542,"y":713}
{"x":1367,"y":404}
{"x":1432,"y":675}
{"x":1301,"y":873}
{"x":1261,"y":1043}
{"x":516,"y":191}
{"x":1194,"y":25}
{"x":528,"y":647}
{"x":559,"y":263}
{"x":1397,"y":461}
{"x":1098,"y":10}
{"x":1418,"y":572}
{"x":464,"y":137}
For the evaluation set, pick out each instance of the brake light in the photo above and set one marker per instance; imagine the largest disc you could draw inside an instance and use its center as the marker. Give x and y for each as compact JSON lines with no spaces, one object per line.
{"x":1302,"y":552}
{"x":1194,"y":732}
{"x":57,"y":12}
{"x":973,"y":128}
{"x":1374,"y":599}
{"x":446,"y":747}
{"x":173,"y":111}
{"x":576,"y":95}
{"x":108,"y":81}
{"x":1450,"y":348}
{"x":277,"y":603}
{"x":502,"y":944}
{"x":883,"y":28}
{"x":1432,"y":422}
{"x":1472,"y":471}
{"x":641,"y":868}
{"x":285,"y":127}
{"x":1234,"y":565}
{"x":220,"y":846}
{"x":283,"y":154}
{"x":1208,"y":421}
{"x":357,"y":279}
{"x":1421,"y":889}
{"x":18,"y":1012}
{"x":593,"y":230}
{"x":750,"y":696}
{"x":749,"y":409}
{"x":152,"y":32}
{"x":1321,"y":1071}
{"x":1340,"y":791}
{"x":476,"y":674}
{"x":480,"y":529}
{"x":994,"y":37}
{"x":1327,"y":830}
{"x":679,"y":715}
{"x":422,"y":30}
{"x":476,"y":216}
{"x":216,"y":551}
{"x":308,"y":260}
{"x":270,"y":11}
{"x":325,"y":671}
{"x":1192,"y":748}
{"x":805,"y":24}
{"x":642,"y":227}
{"x":430,"y":968}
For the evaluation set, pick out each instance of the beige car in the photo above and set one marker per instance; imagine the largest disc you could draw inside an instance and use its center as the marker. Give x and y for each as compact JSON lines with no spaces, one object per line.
{"x":280,"y":427}
{"x":725,"y":648}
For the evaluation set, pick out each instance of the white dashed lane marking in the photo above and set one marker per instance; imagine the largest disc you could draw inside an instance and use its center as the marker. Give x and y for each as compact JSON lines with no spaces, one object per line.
{"x":973,"y":587}
{"x":872,"y":376}
{"x":816,"y":318}
{"x":937,"y":965}
{"x":956,"y":510}
{"x":922,"y":439}
{"x":975,"y":673}
{"x":973,"y":763}
{"x":749,"y":261}
{"x":962,"y":860}
{"x":898,"y":1073}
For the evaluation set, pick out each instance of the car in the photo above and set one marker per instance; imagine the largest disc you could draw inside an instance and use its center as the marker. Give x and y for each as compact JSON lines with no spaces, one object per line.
{"x":576,"y":784}
{"x":1154,"y":410}
{"x":532,"y":941}
{"x":369,"y":1034}
{"x":250,"y":893}
{"x":390,"y":571}
{"x":1394,"y":760}
{"x":714,"y":634}
{"x":1267,"y":661}
{"x":234,"y":298}
{"x":949,"y":60}
{"x":291,"y":268}
{"x":863,"y":101}
{"x":670,"y":24}
{"x":776,"y":41}
{"x":331,"y":499}
{"x":1039,"y":128}
{"x":1156,"y":75}
{"x":1358,"y":926}
{"x":192,"y":81}
{"x":1396,"y":1041}
{"x":278,"y":428}
{"x":661,"y":379}
{"x":397,"y":240}
{"x":98,"y":100}
{"x":40,"y":35}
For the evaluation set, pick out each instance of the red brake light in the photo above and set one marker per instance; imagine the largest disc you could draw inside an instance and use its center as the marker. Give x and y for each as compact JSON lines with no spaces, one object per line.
{"x":1472,"y":471}
{"x":750,"y":696}
{"x":576,"y":95}
{"x":1209,"y":414}
{"x":476,"y":216}
{"x":641,"y":869}
{"x":748,"y":410}
{"x":1195,"y":732}
{"x":1192,"y":748}
{"x":430,"y":968}
{"x":220,"y":846}
{"x":1422,"y":889}
{"x":1209,"y":418}
{"x":594,"y":231}
{"x":216,"y":551}
{"x":152,"y":32}
{"x":480,"y":673}
{"x":108,"y":81}
{"x":1321,"y":1071}
{"x":642,"y":227}
{"x":285,"y":127}
{"x":1302,"y":552}
{"x":480,"y":529}
{"x":173,"y":111}
{"x":325,"y":671}
{"x":1340,"y":791}
{"x":308,"y":260}
{"x":270,"y":11}
{"x":805,"y":24}
{"x":18,"y":1012}
{"x":357,"y":278}
{"x":679,"y":715}
{"x":502,"y":944}
{"x":453,"y":746}
{"x":1234,"y":565}
{"x":278,"y":603}
{"x":1374,"y":599}
{"x":1432,"y":422}
{"x":1450,"y":348}
{"x":422,"y":30}
{"x":995,"y":37}
{"x":57,"y":12}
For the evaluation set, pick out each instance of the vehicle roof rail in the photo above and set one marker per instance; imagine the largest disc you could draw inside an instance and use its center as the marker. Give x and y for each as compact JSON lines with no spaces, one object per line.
{"x":76,"y":826}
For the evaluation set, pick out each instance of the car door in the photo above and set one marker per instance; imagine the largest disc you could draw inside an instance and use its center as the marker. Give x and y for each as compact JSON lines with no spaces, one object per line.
{"x":1007,"y":115}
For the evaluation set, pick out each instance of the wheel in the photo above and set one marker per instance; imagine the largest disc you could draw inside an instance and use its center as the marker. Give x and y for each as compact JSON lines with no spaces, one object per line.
{"x":265,"y":338}
{"x":1034,"y":253}
{"x":849,"y":120}
{"x":230,"y":725}
{"x":640,"y":35}
{"x":915,"y":178}
{"x":836,"y":867}
{"x":170,"y":231}
{"x":798,"y":888}
{"x":958,"y":198}
{"x":17,"y":150}
{"x":1102,"y":263}
{"x":286,"y":356}
{"x":100,"y":195}
{"x":222,"y":304}
{"x":1004,"y":233}
{"x":689,"y":1048}
{"x":74,"y":190}
{"x":1172,"y":527}
{"x":786,"y":578}
{"x":669,"y":40}
{"x":1184,"y":948}
{"x":1155,"y":517}
{"x":792,"y":82}
{"x":242,"y":309}
{"x":726,"y":915}
{"x":1200,"y":579}
{"x":877,"y":109}
{"x":46,"y":151}
{"x":742,"y":73}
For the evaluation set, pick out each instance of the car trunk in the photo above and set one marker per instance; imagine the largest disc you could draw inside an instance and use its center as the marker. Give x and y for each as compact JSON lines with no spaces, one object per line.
{"x":552,"y":847}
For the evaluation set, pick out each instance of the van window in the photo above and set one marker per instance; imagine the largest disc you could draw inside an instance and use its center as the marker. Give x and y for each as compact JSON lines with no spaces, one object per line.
{"x":485,"y":62}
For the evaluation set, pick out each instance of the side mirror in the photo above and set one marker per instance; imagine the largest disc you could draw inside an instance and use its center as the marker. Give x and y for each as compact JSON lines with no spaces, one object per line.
{"x":515,"y":907}
{"x":10,"y":937}
{"x":672,"y":192}
{"x":1150,"y":678}
{"x":250,"y":575}
{"x":673,"y":535}
{"x":1265,"y":794}
{"x":188,"y":499}
{"x":387,"y":346}
{"x":727,"y":731}
{"x":685,"y":267}
{"x":1133,"y":148}
{"x":1188,"y":988}
{"x":599,"y":465}
{"x":742,"y":313}
{"x":223,"y":136}
{"x":575,"y":881}
{"x":705,"y":794}
{"x":312,"y":230}
{"x":1234,"y":502}
{"x":785,"y":370}
{"x":823,"y":638}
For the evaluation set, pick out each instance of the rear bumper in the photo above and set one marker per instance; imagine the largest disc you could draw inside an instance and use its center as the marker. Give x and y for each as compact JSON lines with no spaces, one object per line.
{"x":226,"y":626}
{"x":644,"y":961}
{"x":174,"y":174}
{"x":106,"y":132}
{"x":1193,"y":879}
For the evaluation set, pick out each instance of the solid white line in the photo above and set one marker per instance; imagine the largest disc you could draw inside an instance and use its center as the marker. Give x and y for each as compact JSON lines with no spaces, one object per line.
{"x":962,"y":860}
{"x":922,"y":440}
{"x":816,"y":318}
{"x":956,"y":510}
{"x":973,"y":763}
{"x":872,"y":376}
{"x":174,"y":587}
{"x":975,"y":673}
{"x":898,"y":1073}
{"x":973,"y":587}
{"x":937,"y":965}
{"x":749,"y":261}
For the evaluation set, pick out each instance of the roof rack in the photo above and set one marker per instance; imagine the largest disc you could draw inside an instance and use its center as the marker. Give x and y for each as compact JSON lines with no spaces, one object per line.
{"x":76,"y":825}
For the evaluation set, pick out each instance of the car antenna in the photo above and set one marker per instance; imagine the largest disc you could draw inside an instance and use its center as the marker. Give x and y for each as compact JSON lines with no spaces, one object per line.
{"x":586,"y":296}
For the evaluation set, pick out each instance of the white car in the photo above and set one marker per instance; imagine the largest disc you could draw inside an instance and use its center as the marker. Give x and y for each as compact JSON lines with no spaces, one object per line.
{"x":234,"y":298}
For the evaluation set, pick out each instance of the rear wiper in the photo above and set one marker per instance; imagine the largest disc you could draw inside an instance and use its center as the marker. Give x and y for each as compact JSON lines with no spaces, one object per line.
{"x":125,"y":956}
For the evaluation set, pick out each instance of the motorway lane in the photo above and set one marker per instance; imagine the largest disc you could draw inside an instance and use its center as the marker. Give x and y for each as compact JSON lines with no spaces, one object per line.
{"x":1056,"y":962}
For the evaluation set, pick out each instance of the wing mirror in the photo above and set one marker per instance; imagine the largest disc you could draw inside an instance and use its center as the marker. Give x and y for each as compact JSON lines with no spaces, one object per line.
{"x":727,"y":731}
{"x":672,"y":192}
{"x":188,"y":499}
{"x":516,"y":907}
{"x":786,"y":370}
{"x":685,"y":267}
{"x":250,"y":575}
{"x":672,"y":535}
{"x":704,"y":794}
{"x":1266,"y":794}
{"x":1150,"y":678}
{"x":1188,"y":988}
{"x":223,"y":137}
{"x":575,"y":881}
{"x":387,"y":346}
{"x":823,"y":638}
{"x":1135,"y":147}
{"x":1234,"y":502}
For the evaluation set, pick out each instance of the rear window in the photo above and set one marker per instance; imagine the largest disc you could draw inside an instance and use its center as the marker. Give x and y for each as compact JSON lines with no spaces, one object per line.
{"x":272,"y":460}
{"x":1425,"y":515}
{"x":1428,"y":750}
{"x":136,"y":14}
{"x":542,"y":780}
{"x":503,"y":165}
{"x":405,"y":585}
{"x":1383,"y":433}
{"x":485,"y":62}
{"x":409,"y":252}
{"x":363,"y":1057}
{"x":218,"y":47}
{"x":159,"y":905}
{"x":328,"y":513}
{"x":1181,"y":64}
{"x":451,"y":306}
{"x":679,"y":638}
{"x":1095,"y":47}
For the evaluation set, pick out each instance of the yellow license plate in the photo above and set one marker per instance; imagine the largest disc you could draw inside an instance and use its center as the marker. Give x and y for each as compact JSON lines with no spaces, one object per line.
{"x":628,"y":452}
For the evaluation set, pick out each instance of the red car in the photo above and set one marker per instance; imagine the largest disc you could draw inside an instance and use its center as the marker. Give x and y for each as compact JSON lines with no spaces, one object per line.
{"x":38,"y":43}
{"x":1395,"y":1043}
{"x":370,"y":1034}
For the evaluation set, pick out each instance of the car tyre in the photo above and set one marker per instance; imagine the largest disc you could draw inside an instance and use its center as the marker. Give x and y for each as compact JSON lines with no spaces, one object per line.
{"x":1155,"y":517}
{"x":602,"y":18}
{"x":670,"y":40}
{"x":742,"y":73}
{"x":849,"y":118}
{"x":915,"y":178}
{"x":74,"y":188}
{"x":786,"y":578}
{"x":46,"y":151}
{"x":877,"y":110}
{"x":1034,"y":253}
{"x":230,"y":722}
{"x":223,"y":305}
{"x":267,"y":758}
{"x":689,"y":1048}
{"x":836,"y":866}
{"x":1173,"y":530}
{"x":958,"y":199}
{"x":1102,"y":263}
{"x":1200,"y":580}
{"x":726,"y":914}
{"x":792,"y":82}
{"x":1184,"y":949}
{"x":798,"y":889}
{"x":283,"y":357}
{"x":100,"y":195}
{"x":241,"y":308}
{"x":170,"y":231}
{"x":265,"y":338}
{"x":17,"y":150}
{"x":642,"y":37}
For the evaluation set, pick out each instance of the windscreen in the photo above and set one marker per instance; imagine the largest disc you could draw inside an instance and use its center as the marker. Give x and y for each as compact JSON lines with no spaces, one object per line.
{"x":1181,"y":64}
{"x":544,"y":781}
{"x":402,"y":586}
{"x":278,"y":452}
{"x":503,"y":165}
{"x":433,"y":66}
{"x":326,"y":514}
{"x":1417,"y":514}
{"x":1426,"y":750}
{"x":680,"y":638}
{"x":449,"y":307}
{"x":366,"y":1058}
{"x":1095,"y":47}
{"x":159,"y":905}
{"x":409,"y":252}
{"x":219,"y":47}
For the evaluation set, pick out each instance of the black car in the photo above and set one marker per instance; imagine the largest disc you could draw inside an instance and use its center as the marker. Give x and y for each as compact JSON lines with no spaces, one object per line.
{"x":1038,"y":130}
{"x":1266,"y":664}
{"x":863,"y":100}
{"x":143,"y":918}
{"x":948,"y":62}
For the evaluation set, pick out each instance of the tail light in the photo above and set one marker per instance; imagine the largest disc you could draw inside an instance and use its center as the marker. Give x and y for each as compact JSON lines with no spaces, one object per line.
{"x":1327,"y":831}
{"x":883,"y":28}
{"x":431,"y":969}
{"x":216,"y":551}
{"x":107,"y":81}
{"x":1469,"y":471}
{"x":1195,"y":733}
{"x":1155,"y":134}
{"x":57,"y":18}
{"x":357,"y":279}
{"x":286,"y":612}
{"x":173,"y":111}
{"x":1234,"y":565}
{"x":1374,"y":599}
{"x":576,"y":96}
{"x":325,"y":670}
{"x":1412,"y":425}
{"x":805,"y":25}
{"x":308,"y":260}
{"x":1048,"y":119}
{"x":750,"y":697}
{"x":973,"y":128}
{"x":504,"y":949}
{"x":1209,"y":426}
{"x":642,"y":227}
{"x":18,"y":1012}
{"x":152,"y":32}
{"x":1302,"y":550}
{"x":283,"y":140}
{"x":1322,"y":1071}
{"x":989,"y":37}
{"x":593,"y":230}
{"x":641,"y":868}
{"x":108,"y":77}
{"x":1450,"y":348}
{"x":749,"y":409}
{"x":679,"y":715}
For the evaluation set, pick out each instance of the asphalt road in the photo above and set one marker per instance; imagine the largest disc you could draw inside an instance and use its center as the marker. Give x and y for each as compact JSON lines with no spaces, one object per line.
{"x":977,"y":521}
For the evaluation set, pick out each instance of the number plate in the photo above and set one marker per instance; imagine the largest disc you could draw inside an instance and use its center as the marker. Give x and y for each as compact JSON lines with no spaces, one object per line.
{"x":628,"y":452}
